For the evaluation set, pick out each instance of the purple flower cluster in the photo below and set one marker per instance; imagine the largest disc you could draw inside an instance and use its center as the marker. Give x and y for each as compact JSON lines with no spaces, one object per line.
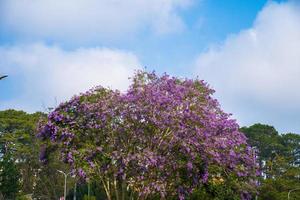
{"x":163,"y":136}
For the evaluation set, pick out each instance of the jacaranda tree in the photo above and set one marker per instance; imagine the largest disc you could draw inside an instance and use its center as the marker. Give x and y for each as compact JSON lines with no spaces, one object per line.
{"x":163,"y":138}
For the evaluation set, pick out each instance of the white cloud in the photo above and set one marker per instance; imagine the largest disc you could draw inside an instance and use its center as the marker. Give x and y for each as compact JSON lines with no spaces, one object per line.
{"x":89,"y":20}
{"x":256,"y":72}
{"x":44,"y":73}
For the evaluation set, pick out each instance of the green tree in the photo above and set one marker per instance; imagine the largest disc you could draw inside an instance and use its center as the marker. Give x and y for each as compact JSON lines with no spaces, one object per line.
{"x":9,"y":177}
{"x":18,"y":141}
{"x":267,"y":142}
{"x":17,"y":138}
{"x":291,"y":142}
{"x":279,"y":158}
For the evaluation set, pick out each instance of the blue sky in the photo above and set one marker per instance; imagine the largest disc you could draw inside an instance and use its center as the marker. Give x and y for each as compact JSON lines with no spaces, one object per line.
{"x":247,"y":50}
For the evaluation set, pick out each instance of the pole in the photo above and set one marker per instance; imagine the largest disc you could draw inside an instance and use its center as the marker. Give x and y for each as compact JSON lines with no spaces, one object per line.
{"x":74,"y":197}
{"x":89,"y":188}
{"x":65,"y":185}
{"x":65,"y":189}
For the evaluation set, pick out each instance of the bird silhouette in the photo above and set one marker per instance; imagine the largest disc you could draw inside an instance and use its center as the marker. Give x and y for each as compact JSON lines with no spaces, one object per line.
{"x":2,"y":77}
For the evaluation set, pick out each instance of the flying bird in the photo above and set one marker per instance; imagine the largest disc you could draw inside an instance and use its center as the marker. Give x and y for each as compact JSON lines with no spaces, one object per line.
{"x":2,"y":77}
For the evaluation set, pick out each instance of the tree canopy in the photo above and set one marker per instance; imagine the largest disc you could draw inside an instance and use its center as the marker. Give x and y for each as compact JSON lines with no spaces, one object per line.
{"x":164,"y":137}
{"x":278,"y":155}
{"x":21,"y":172}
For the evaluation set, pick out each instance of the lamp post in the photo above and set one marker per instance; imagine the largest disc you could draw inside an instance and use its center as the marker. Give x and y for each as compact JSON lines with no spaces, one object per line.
{"x":74,"y":197}
{"x":2,"y":77}
{"x":65,"y":186}
{"x":292,"y":191}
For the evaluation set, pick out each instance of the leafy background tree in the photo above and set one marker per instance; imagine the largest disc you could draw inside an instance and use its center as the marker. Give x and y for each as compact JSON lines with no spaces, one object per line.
{"x":18,"y":140}
{"x":278,"y":155}
{"x":21,"y":172}
{"x":9,"y":177}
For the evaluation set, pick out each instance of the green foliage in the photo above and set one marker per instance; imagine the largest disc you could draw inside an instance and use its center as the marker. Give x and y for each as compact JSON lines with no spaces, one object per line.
{"x":18,"y":140}
{"x":95,"y":189}
{"x":279,"y":158}
{"x":9,"y":177}
{"x":86,"y":197}
{"x":265,"y":138}
{"x":49,"y":182}
{"x":24,"y":197}
{"x":215,"y":192}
